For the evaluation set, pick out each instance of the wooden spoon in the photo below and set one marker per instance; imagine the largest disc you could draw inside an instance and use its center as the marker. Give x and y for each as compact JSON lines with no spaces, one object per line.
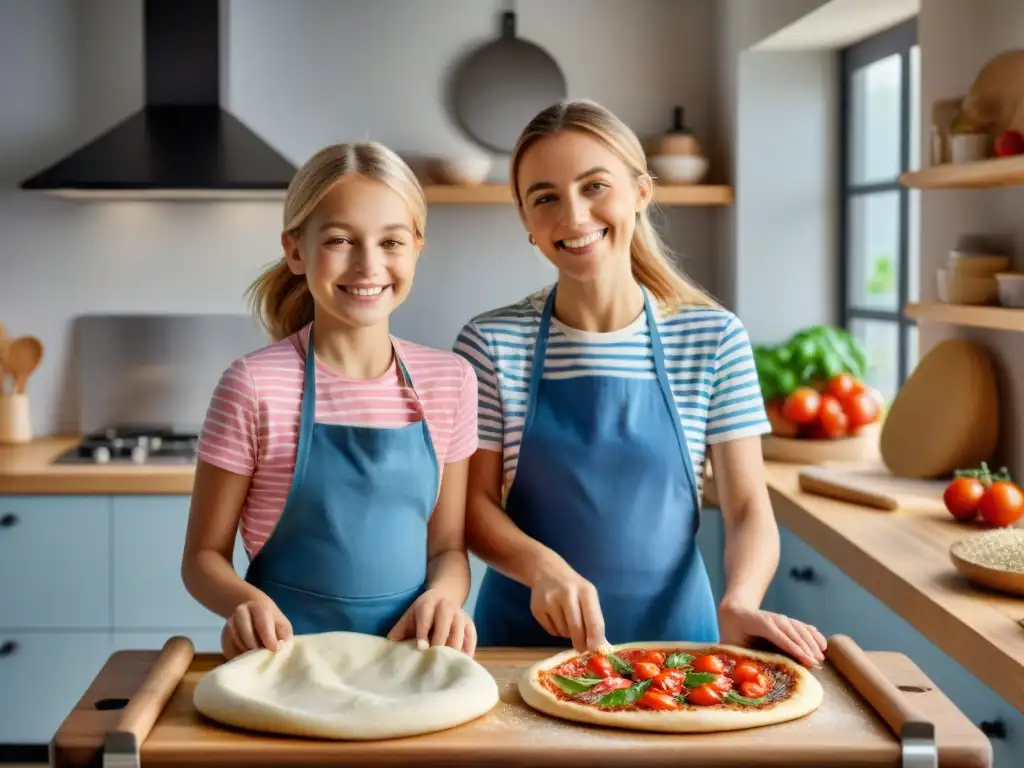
{"x":22,"y":356}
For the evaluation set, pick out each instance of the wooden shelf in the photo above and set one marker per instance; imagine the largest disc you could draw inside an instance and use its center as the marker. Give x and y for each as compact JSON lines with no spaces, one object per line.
{"x":501,"y":194}
{"x":996,"y":318}
{"x":980,"y":174}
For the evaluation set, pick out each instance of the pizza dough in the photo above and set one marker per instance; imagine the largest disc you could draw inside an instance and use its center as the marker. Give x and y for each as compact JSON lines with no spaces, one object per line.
{"x":804,"y":695}
{"x":345,"y":685}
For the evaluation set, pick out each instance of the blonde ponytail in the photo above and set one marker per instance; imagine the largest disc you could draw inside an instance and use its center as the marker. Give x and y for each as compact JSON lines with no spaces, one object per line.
{"x":648,"y":254}
{"x":279,"y":298}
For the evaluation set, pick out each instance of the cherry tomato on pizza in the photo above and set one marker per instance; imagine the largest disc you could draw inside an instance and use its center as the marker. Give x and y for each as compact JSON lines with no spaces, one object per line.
{"x":645,"y":670}
{"x":609,"y":684}
{"x":704,"y":696}
{"x":754,"y":689}
{"x":601,"y":665}
{"x":655,"y":657}
{"x":654,"y":699}
{"x":746,"y":671}
{"x":709,"y":663}
{"x":722,"y":683}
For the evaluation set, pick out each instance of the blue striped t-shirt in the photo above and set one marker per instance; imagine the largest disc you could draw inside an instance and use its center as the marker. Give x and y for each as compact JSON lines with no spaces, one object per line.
{"x":707,"y":356}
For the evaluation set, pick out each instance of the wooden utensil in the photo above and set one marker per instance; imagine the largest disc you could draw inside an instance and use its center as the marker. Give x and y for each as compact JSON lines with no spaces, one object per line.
{"x":122,"y":745}
{"x":871,"y":485}
{"x":23,"y":356}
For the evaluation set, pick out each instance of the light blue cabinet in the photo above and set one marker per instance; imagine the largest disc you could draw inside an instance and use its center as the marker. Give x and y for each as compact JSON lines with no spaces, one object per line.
{"x":148,"y":538}
{"x":80,"y":578}
{"x":54,"y":562}
{"x":811,"y":588}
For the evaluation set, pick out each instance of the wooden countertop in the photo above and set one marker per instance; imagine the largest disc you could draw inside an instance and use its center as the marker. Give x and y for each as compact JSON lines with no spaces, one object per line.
{"x":902,"y":558}
{"x":28,"y":469}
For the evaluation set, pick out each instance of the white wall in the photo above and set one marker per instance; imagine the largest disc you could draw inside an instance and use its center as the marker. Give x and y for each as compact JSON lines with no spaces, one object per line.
{"x":977,"y":31}
{"x":303,"y":74}
{"x":777,"y":115}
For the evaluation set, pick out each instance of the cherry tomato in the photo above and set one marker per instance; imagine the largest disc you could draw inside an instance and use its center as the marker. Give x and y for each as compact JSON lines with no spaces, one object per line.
{"x":653,"y":699}
{"x":644,"y":670}
{"x":843,"y":385}
{"x":962,"y":497}
{"x":754,"y":689}
{"x":704,"y":696}
{"x":801,"y":406}
{"x":1002,"y":504}
{"x":781,"y":426}
{"x":834,"y":421}
{"x":745,"y":672}
{"x":722,"y":684}
{"x":708,"y":663}
{"x":655,"y":657}
{"x":600,"y":665}
{"x":611,"y":684}
{"x":861,"y":408}
{"x":668,"y":681}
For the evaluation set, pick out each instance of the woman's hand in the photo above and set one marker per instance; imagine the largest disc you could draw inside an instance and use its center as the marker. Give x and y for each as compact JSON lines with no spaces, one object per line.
{"x":436,"y":619}
{"x":254,"y":624}
{"x":737,"y":626}
{"x":567,"y":605}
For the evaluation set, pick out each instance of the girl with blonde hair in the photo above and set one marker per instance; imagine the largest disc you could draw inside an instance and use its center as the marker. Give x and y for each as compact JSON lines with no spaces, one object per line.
{"x":598,"y":398}
{"x":341,"y":450}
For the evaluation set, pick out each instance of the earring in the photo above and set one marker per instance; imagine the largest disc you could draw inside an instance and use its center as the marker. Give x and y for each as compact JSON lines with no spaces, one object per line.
{"x":533,"y":240}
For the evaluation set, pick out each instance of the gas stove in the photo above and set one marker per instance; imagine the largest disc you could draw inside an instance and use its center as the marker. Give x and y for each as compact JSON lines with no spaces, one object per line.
{"x":135,"y":445}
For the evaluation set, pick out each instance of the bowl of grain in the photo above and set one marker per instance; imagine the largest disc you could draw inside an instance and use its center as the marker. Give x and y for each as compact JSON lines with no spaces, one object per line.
{"x":993,"y":559}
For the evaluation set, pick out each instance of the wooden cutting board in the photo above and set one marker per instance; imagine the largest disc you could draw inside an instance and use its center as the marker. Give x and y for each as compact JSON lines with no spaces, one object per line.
{"x":872,"y":486}
{"x":845,"y":731}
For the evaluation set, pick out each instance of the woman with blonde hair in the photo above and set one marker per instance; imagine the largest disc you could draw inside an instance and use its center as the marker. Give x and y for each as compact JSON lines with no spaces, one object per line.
{"x":598,"y":397}
{"x":342,"y":450}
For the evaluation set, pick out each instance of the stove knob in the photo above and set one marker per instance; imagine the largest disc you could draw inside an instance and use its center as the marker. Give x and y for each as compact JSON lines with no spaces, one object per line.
{"x":101,"y":455}
{"x":139,"y":454}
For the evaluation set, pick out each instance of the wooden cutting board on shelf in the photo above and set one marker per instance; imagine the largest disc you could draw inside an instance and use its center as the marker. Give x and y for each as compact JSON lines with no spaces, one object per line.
{"x":872,"y":485}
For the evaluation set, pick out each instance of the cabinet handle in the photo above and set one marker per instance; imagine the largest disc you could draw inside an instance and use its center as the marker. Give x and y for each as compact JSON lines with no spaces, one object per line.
{"x":994,"y":729}
{"x":8,"y":520}
{"x":8,"y":647}
{"x":805,"y":573}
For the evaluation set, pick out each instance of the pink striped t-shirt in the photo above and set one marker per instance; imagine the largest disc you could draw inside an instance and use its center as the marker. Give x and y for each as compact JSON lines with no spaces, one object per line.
{"x":252,"y":424}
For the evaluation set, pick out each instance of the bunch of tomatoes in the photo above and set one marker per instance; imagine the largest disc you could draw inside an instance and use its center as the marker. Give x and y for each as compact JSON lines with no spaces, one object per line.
{"x":837,"y":408}
{"x":992,"y":496}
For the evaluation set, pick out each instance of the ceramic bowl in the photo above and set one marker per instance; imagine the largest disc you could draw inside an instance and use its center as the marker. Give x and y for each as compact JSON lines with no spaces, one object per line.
{"x":678,"y":169}
{"x":465,"y":169}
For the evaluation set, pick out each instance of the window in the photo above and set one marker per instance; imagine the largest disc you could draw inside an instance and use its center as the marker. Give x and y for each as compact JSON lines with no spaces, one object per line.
{"x":881,"y":138}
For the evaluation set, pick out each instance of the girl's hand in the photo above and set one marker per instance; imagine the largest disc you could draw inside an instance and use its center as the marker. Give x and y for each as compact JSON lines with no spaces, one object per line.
{"x":566,"y":605}
{"x":254,"y":624}
{"x":737,"y":626}
{"x":435,"y":619}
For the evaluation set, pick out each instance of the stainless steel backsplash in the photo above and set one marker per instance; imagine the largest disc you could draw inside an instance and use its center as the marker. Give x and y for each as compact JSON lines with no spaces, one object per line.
{"x":155,"y":369}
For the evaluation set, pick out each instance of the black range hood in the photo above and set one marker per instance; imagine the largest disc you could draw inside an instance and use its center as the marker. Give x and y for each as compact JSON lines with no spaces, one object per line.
{"x":181,"y":144}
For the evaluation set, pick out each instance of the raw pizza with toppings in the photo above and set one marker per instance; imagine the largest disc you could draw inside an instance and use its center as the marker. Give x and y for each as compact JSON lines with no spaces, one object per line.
{"x":677,"y":687}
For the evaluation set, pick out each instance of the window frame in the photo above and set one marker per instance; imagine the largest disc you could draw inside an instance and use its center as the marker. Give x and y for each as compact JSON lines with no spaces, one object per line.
{"x":895,"y":40}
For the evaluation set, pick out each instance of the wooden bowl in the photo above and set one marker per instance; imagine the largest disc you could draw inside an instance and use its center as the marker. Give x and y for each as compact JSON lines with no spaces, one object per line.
{"x":801,"y":450}
{"x":970,"y":555}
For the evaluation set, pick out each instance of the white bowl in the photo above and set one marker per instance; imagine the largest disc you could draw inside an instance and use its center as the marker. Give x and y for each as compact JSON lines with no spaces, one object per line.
{"x":459,"y":169}
{"x":1011,"y":289}
{"x":678,"y":169}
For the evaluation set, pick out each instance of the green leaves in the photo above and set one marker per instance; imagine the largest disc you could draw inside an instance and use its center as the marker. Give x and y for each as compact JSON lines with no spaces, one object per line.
{"x":623,"y":668}
{"x":814,"y":354}
{"x":693,"y":679}
{"x":576,"y":685}
{"x":677,"y":660}
{"x":623,"y":697}
{"x":777,"y":691}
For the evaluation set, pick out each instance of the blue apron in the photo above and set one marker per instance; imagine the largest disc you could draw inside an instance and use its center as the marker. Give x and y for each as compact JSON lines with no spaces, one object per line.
{"x":604,"y":479}
{"x":349,"y":551}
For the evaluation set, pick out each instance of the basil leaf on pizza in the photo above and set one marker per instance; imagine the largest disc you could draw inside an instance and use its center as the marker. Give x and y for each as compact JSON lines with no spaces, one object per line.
{"x":677,"y":660}
{"x":575,"y":685}
{"x":672,"y":687}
